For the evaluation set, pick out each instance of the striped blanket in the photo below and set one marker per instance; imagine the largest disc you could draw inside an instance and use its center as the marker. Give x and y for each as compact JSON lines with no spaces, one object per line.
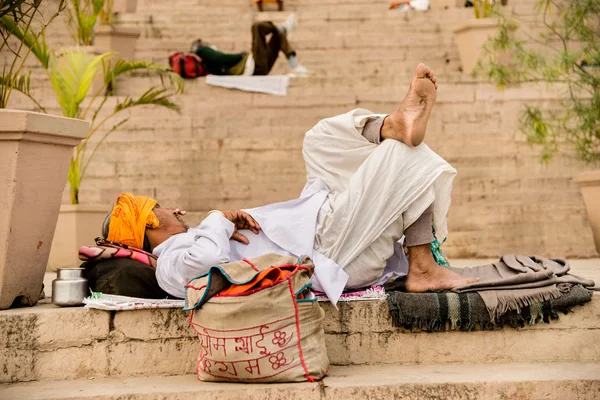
{"x":467,"y":311}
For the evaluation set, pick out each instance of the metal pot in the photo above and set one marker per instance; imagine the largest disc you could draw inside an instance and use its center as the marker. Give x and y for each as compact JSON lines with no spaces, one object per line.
{"x":70,"y":287}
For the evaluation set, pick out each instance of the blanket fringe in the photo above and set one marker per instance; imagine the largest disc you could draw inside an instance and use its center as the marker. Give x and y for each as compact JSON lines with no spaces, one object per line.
{"x":509,"y":302}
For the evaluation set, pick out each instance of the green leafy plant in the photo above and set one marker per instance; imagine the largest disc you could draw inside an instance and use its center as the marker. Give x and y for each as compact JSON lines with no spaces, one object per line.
{"x":73,"y":73}
{"x":106,"y":14}
{"x":482,"y":8}
{"x":83,"y":15}
{"x":18,"y":18}
{"x":565,"y":55}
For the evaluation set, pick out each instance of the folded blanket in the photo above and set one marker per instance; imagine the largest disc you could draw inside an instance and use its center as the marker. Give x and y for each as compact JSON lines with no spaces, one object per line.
{"x":515,"y":282}
{"x":271,"y":84}
{"x":467,"y":311}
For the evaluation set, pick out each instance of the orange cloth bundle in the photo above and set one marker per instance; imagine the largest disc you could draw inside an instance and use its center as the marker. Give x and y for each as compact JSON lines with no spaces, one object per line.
{"x":265,"y":278}
{"x":129,"y":219}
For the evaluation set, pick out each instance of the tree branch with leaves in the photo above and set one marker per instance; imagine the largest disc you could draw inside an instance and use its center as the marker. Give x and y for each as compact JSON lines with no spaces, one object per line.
{"x":566,"y":53}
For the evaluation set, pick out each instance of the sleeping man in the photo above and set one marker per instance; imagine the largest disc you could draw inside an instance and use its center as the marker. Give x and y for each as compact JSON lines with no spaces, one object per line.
{"x":370,"y":182}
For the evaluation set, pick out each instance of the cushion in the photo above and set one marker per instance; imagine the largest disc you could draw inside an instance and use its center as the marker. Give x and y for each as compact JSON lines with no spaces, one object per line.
{"x":124,"y":277}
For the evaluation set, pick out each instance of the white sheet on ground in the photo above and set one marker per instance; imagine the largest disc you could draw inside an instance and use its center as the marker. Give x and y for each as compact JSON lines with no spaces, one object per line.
{"x":270,"y":84}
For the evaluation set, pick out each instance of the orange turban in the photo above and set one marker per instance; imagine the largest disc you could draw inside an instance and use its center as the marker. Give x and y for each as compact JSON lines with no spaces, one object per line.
{"x":129,"y":219}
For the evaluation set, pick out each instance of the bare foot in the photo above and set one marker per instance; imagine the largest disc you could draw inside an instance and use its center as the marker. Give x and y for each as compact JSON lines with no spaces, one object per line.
{"x":422,"y":278}
{"x":408,"y":123}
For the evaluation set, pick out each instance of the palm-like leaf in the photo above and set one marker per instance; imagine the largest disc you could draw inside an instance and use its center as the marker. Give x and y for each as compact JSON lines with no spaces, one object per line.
{"x":35,"y":42}
{"x":13,"y":8}
{"x":83,"y":16}
{"x":106,"y":12}
{"x":122,"y":67}
{"x":20,"y":83}
{"x":72,"y":75}
{"x":153,"y":96}
{"x":74,"y":178}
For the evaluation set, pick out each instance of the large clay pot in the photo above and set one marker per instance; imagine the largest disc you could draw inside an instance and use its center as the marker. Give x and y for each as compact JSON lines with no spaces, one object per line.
{"x":35,"y":150}
{"x":470,"y":37}
{"x":589,"y":183}
{"x":78,"y":225}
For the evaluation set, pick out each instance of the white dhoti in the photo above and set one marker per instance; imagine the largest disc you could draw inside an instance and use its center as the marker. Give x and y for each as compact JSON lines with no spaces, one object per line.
{"x":375,"y":193}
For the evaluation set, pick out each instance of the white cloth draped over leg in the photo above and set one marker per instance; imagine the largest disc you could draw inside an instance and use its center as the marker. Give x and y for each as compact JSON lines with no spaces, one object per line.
{"x":376,"y":192}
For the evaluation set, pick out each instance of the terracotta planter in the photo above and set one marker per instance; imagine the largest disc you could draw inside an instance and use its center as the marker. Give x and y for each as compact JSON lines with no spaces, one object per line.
{"x":35,"y":150}
{"x":117,"y":39}
{"x":444,"y":4}
{"x":589,"y":183}
{"x":78,"y":225}
{"x":124,"y":6}
{"x":470,"y":38}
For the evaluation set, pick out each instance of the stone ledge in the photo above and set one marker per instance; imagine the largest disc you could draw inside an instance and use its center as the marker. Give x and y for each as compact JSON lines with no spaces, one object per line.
{"x":464,"y":381}
{"x":94,"y":343}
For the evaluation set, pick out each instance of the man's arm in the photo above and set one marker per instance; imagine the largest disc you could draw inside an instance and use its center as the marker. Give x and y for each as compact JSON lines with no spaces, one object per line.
{"x":188,"y":255}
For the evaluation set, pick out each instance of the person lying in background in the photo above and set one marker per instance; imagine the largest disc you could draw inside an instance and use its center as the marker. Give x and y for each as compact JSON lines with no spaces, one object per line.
{"x":261,"y":59}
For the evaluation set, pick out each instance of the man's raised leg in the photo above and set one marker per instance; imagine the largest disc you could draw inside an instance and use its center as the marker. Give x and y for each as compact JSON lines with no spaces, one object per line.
{"x":408,"y":123}
{"x":378,"y":191}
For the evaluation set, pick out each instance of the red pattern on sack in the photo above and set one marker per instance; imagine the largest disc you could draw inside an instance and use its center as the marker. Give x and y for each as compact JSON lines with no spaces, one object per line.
{"x":264,"y":350}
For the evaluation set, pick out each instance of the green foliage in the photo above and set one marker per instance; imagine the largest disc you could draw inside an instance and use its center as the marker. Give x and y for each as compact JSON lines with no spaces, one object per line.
{"x":482,"y":8}
{"x":565,"y":55}
{"x":18,"y":9}
{"x":17,"y":20}
{"x":106,"y":14}
{"x":121,"y":67}
{"x":35,"y":42}
{"x":83,"y":15}
{"x":20,"y":83}
{"x":72,"y":75}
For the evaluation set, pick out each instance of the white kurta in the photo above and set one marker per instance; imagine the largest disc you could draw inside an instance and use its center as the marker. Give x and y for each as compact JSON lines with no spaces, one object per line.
{"x":339,"y":162}
{"x":288,"y":228}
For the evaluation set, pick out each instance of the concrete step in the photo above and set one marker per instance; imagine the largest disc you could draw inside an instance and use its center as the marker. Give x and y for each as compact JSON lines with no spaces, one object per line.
{"x":95,"y":343}
{"x":573,"y":381}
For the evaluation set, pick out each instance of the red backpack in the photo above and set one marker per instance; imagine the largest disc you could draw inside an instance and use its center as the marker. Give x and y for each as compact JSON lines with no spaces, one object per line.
{"x":187,"y":65}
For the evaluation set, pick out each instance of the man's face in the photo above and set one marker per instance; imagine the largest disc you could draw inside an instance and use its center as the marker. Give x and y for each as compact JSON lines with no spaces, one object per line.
{"x":171,"y":220}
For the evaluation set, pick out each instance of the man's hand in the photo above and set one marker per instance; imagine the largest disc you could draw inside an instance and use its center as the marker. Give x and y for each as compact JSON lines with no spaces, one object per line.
{"x":241,"y":220}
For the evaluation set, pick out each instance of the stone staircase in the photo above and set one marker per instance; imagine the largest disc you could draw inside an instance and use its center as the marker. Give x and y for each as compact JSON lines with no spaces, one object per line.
{"x":422,"y":382}
{"x":230,"y":149}
{"x":49,"y":352}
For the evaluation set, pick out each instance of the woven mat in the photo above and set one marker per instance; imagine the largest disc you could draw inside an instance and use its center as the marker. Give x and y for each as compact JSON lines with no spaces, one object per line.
{"x":113,"y":302}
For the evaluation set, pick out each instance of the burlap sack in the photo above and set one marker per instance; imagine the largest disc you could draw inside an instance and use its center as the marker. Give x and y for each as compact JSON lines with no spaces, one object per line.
{"x":265,"y":336}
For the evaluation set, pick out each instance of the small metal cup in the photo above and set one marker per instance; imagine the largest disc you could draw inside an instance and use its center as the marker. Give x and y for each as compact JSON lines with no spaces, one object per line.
{"x":70,"y":287}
